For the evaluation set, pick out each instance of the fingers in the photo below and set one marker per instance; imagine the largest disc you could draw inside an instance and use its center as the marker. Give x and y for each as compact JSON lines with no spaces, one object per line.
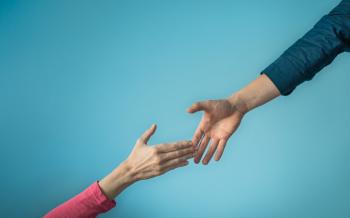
{"x":160,"y":163}
{"x":163,"y":148}
{"x":147,"y":135}
{"x":164,"y":167}
{"x":201,"y":149}
{"x":220,"y":149}
{"x":183,"y":153}
{"x":174,"y":166}
{"x":197,"y":136}
{"x":174,"y":163}
{"x":198,"y":106}
{"x":211,"y":151}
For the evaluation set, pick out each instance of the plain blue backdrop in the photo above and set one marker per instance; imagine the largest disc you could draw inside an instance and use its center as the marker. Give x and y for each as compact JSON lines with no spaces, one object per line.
{"x":81,"y":80}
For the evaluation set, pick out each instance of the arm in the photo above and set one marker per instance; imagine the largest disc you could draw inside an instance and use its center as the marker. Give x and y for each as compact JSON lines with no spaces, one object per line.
{"x":144,"y":162}
{"x":315,"y":50}
{"x":328,"y":38}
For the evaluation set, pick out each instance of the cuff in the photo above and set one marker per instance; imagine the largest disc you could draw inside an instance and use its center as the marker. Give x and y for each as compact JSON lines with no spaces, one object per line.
{"x":101,"y":200}
{"x":284,"y":79}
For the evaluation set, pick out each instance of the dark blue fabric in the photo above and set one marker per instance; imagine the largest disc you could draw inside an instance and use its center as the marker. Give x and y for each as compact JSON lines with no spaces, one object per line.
{"x":315,"y":50}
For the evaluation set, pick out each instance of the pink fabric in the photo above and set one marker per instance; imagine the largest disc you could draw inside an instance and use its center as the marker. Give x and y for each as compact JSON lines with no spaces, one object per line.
{"x":87,"y":204}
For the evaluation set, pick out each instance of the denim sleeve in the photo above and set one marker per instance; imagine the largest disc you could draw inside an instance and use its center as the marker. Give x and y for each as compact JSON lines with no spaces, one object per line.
{"x":315,"y":50}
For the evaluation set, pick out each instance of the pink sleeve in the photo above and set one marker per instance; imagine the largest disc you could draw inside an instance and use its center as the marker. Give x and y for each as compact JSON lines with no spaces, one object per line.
{"x":88,"y":203}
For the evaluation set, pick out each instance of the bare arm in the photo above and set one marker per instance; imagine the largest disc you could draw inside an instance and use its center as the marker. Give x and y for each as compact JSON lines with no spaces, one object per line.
{"x":256,"y":93}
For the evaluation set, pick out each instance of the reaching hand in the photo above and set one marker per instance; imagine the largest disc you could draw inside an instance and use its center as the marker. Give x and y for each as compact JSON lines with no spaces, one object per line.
{"x":220,"y":120}
{"x":147,"y":162}
{"x":222,"y":117}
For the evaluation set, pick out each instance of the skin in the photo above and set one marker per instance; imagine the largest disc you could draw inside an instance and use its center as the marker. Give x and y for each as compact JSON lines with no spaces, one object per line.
{"x":145,"y":162}
{"x":222,"y":117}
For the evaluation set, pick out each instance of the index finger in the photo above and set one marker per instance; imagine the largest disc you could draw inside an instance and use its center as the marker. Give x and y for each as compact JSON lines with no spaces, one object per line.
{"x":168,"y":147}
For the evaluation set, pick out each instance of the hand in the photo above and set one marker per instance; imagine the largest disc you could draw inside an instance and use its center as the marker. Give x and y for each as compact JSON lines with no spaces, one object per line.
{"x":220,"y":120}
{"x":222,"y":117}
{"x":146,"y":162}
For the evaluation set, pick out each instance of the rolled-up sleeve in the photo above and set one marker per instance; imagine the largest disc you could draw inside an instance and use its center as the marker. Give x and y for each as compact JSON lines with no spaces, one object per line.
{"x":315,"y":50}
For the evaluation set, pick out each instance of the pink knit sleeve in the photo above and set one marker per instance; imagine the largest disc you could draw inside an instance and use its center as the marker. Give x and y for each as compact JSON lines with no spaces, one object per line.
{"x":87,"y":204}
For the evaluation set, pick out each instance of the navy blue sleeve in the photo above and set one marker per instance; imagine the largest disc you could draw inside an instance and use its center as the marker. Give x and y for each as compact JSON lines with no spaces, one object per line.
{"x":315,"y":50}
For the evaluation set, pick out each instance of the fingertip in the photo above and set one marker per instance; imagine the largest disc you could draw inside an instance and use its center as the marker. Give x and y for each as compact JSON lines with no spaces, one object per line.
{"x":194,"y":108}
{"x":154,"y":126}
{"x":148,"y":133}
{"x":217,"y":157}
{"x":192,"y":111}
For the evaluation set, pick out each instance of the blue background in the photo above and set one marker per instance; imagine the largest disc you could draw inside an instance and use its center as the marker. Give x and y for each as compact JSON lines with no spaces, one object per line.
{"x":81,"y":80}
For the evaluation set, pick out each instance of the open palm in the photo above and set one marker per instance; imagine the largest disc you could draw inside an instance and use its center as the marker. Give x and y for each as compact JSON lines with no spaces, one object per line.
{"x":220,"y":120}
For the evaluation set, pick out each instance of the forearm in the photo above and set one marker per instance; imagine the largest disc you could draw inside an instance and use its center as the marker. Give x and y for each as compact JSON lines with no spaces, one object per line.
{"x":118,"y":180}
{"x":256,"y":93}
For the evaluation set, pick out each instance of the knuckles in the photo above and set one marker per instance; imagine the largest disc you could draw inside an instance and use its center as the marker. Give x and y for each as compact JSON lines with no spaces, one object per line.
{"x":157,"y":160}
{"x":157,"y":169}
{"x":156,"y":156}
{"x":155,"y":152}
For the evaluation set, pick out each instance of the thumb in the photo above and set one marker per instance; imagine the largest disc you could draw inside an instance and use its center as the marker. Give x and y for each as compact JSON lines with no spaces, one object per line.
{"x":198,"y":106}
{"x":148,"y":133}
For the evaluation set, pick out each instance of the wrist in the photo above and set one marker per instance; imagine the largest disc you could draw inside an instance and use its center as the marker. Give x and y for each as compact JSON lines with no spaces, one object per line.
{"x":238,"y":103}
{"x":124,"y":173}
{"x":118,"y":180}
